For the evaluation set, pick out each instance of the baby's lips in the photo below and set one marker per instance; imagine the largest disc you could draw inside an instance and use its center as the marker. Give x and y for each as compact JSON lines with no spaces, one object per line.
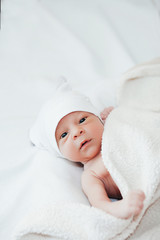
{"x":83,"y":142}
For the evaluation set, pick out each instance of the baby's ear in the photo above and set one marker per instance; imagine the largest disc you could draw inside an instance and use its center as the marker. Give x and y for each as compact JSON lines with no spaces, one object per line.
{"x":63,"y":85}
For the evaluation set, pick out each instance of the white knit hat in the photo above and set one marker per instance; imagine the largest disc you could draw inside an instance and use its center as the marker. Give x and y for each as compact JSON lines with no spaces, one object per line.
{"x":65,"y":101}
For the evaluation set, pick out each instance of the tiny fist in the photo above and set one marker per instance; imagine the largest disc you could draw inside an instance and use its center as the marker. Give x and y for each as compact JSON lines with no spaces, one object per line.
{"x":142,"y":194}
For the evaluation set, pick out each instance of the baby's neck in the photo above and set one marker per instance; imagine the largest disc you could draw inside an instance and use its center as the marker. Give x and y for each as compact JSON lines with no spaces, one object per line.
{"x":91,"y":161}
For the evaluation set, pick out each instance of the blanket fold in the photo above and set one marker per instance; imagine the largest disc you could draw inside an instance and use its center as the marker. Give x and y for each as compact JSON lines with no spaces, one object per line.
{"x":131,"y":153}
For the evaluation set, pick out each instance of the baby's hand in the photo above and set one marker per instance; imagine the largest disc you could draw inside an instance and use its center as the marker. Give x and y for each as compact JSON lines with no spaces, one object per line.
{"x":133,"y":204}
{"x":104,"y":114}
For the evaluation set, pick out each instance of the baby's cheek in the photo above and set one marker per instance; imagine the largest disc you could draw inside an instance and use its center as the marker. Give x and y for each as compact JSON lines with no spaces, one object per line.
{"x":67,"y":150}
{"x":62,"y":149}
{"x":73,"y":154}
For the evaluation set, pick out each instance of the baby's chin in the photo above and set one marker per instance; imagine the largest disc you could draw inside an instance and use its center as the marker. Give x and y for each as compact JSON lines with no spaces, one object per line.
{"x":80,"y":159}
{"x":93,"y":151}
{"x":88,"y":155}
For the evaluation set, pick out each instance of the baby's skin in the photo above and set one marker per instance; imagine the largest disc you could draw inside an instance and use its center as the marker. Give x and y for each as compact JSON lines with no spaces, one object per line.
{"x":78,"y":137}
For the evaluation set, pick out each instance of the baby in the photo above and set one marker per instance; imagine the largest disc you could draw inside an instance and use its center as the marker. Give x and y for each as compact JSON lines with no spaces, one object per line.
{"x":75,"y":131}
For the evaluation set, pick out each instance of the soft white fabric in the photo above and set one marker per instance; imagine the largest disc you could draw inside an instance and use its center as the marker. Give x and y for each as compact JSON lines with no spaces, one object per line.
{"x":131,"y":152}
{"x":64,"y":101}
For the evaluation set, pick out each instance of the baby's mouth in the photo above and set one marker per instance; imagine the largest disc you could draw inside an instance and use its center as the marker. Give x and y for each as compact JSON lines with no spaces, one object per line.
{"x":84,"y":143}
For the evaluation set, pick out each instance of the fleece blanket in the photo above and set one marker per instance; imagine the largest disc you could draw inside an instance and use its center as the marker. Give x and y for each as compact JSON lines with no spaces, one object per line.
{"x":131,"y":152}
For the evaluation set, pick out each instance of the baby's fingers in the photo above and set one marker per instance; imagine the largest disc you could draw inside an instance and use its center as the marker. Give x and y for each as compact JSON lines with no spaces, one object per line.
{"x":140,"y":194}
{"x":137,"y":209}
{"x":106,"y":112}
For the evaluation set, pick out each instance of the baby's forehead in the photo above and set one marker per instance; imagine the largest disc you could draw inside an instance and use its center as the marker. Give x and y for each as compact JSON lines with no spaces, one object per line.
{"x":76,"y":114}
{"x":71,"y":116}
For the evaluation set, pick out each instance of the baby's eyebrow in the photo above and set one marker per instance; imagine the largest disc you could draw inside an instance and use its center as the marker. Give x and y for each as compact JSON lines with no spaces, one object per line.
{"x":60,"y":131}
{"x":84,"y":115}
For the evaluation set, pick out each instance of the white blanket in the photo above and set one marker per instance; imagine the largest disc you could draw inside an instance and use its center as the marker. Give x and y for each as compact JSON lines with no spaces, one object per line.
{"x":131,"y":152}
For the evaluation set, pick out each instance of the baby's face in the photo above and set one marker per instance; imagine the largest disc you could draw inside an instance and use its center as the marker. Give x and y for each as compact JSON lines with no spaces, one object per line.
{"x":79,"y":136}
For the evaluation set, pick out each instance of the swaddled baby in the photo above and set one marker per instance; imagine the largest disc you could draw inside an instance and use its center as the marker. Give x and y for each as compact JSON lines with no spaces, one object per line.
{"x":72,"y":127}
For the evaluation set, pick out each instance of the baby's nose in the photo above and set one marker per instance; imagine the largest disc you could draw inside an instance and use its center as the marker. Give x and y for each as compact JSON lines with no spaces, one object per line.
{"x":77,"y":133}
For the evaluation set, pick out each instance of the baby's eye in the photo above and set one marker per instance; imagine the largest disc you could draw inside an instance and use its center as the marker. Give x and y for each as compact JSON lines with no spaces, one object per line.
{"x":63,"y":134}
{"x":82,"y":119}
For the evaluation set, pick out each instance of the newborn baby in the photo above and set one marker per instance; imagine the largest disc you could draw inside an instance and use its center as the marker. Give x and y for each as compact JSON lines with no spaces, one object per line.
{"x":72,"y":126}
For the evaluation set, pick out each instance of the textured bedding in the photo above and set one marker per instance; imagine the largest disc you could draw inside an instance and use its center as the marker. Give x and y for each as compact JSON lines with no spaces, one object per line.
{"x":131,"y":153}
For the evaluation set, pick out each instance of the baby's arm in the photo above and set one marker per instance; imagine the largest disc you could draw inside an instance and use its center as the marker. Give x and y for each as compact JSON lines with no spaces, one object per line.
{"x":94,"y":189}
{"x":104,"y":114}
